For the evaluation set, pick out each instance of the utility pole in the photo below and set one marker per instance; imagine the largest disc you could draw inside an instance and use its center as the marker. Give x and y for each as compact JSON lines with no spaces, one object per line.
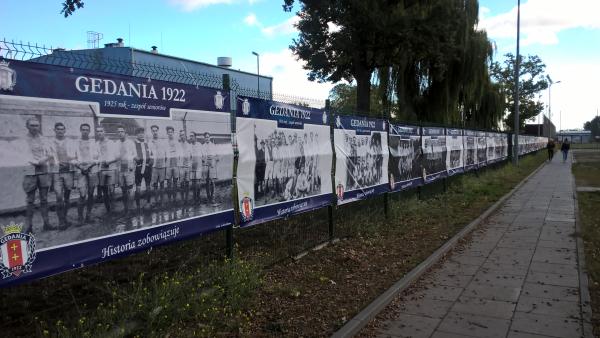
{"x":517,"y":66}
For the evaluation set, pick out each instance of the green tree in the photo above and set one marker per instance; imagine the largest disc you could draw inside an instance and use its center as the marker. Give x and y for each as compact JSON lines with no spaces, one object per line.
{"x":70,"y":6}
{"x":443,"y":76}
{"x":349,"y":39}
{"x":343,"y":99}
{"x":593,"y":126}
{"x":532,"y":81}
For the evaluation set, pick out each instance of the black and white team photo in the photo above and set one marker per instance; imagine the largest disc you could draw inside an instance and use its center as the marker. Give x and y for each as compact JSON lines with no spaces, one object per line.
{"x":286,"y":166}
{"x":282,"y":164}
{"x":71,"y":175}
{"x":434,"y":154}
{"x":405,"y":154}
{"x":364,"y":160}
{"x":470,"y":151}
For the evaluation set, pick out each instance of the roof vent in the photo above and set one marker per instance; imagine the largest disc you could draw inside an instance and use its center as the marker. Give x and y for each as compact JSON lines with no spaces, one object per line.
{"x":154,"y":50}
{"x":224,"y":61}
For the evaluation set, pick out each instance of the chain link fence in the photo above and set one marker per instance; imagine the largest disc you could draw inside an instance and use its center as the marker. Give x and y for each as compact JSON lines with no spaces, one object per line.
{"x":265,"y":244}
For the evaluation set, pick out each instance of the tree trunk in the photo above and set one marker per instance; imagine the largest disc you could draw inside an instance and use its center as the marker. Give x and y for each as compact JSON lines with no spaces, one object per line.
{"x":362,"y":75}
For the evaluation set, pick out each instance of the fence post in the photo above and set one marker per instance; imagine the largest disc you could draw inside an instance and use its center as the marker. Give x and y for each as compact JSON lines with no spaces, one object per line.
{"x":229,"y":241}
{"x":331,"y":207}
{"x":330,"y":216}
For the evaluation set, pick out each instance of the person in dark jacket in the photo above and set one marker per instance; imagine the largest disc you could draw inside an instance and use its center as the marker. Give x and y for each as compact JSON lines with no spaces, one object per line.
{"x":550,"y":146}
{"x":565,"y":149}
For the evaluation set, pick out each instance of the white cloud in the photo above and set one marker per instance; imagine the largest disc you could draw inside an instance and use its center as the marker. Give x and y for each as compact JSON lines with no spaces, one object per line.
{"x":542,"y":20}
{"x":285,"y":28}
{"x":251,"y":20}
{"x":289,"y":78}
{"x":577,"y":94}
{"x":190,"y":5}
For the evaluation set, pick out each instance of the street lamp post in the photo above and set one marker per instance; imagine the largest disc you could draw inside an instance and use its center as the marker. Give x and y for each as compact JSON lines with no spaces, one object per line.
{"x":517,"y":66}
{"x":257,"y":74}
{"x":550,"y":97}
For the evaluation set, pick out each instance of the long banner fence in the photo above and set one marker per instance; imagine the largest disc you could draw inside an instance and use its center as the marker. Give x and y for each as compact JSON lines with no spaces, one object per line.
{"x":98,"y":163}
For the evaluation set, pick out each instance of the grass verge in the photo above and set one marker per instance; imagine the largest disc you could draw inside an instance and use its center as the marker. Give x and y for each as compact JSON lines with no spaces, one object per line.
{"x":587,"y":173}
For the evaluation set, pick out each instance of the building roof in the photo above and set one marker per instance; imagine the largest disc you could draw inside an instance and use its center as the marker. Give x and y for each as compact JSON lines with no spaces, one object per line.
{"x":574,"y":132}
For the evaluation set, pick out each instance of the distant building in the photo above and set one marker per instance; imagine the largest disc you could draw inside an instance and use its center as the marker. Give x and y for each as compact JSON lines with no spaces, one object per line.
{"x":546,"y":129}
{"x":116,"y":58}
{"x":575,"y":136}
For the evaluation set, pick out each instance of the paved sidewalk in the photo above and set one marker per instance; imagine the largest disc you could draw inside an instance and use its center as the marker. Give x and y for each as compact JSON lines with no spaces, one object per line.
{"x":517,"y":277}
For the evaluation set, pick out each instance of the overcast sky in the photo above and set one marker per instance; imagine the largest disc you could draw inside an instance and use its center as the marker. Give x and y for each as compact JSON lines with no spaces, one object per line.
{"x":565,"y":34}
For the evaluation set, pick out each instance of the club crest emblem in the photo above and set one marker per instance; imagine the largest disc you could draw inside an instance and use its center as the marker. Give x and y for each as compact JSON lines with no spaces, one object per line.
{"x":245,"y":107}
{"x":339,"y":190}
{"x":219,"y":100}
{"x":247,"y":209}
{"x":392,"y":181}
{"x":8,"y":76}
{"x":17,"y":251}
{"x":324,"y":118}
{"x":383,"y":125}
{"x":338,"y":121}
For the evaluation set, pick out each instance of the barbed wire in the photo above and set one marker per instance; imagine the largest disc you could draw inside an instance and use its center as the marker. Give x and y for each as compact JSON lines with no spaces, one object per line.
{"x":94,"y":59}
{"x":276,"y":96}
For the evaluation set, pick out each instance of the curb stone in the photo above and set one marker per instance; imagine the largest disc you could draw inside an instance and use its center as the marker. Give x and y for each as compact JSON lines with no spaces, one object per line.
{"x":354,"y":325}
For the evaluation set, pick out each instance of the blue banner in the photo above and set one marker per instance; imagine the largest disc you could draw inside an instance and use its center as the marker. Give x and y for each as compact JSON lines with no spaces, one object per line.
{"x":115,"y":95}
{"x":284,"y":167}
{"x":86,"y":182}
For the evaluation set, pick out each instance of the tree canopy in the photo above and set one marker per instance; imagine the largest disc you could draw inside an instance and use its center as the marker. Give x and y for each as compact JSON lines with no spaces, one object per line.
{"x":70,"y":6}
{"x":532,"y":81}
{"x":424,"y":60}
{"x":593,"y":125}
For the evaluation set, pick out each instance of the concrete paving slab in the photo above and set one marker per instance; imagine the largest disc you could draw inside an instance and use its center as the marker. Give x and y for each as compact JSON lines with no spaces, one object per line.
{"x":442,"y":334}
{"x":560,"y":218}
{"x":568,"y":243}
{"x":561,"y":269}
{"x":550,"y":307}
{"x":484,"y":307}
{"x":463,"y":269}
{"x":474,"y":325}
{"x":555,"y":255}
{"x":495,"y":277}
{"x":440,"y":292}
{"x":545,"y":278}
{"x":451,"y":279}
{"x":466,"y":259}
{"x":546,"y":325}
{"x":409,"y":326}
{"x":492,"y":292}
{"x":570,"y":224}
{"x":551,"y":291}
{"x":514,"y":334}
{"x":515,"y":269}
{"x":426,"y":307}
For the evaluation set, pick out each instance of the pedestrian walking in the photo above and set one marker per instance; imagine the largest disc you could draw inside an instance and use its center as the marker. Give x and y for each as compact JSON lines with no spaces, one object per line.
{"x":565,"y":149}
{"x":550,"y":146}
